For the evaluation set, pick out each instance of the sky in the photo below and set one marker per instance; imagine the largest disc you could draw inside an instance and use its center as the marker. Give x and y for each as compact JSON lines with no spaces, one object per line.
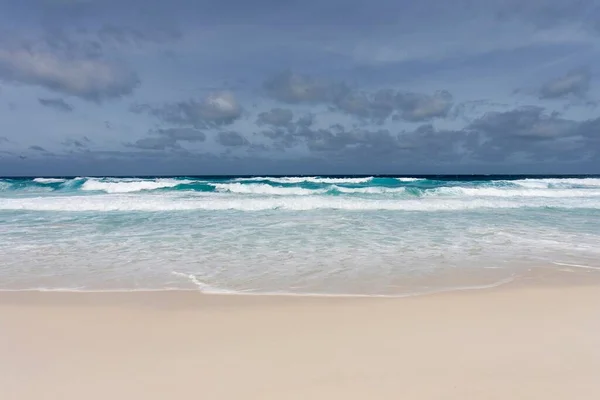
{"x":203,"y":87}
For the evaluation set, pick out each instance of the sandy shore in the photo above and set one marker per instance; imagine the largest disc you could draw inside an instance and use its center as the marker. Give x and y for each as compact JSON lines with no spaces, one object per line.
{"x":516,"y":342}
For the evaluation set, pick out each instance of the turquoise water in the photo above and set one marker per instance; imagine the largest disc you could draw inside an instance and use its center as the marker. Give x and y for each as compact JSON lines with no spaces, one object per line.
{"x":323,"y":235}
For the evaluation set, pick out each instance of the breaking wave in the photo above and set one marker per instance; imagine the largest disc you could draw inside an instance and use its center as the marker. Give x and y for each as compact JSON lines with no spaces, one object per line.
{"x":295,"y":193}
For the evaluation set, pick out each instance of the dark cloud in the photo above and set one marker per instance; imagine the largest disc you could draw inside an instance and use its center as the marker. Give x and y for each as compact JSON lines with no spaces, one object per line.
{"x":293,"y":88}
{"x":38,"y":148}
{"x":374,"y":107}
{"x":80,"y":144}
{"x":379,"y":106}
{"x":525,"y":122}
{"x":275,"y":117}
{"x":164,"y":139}
{"x":155,"y":143}
{"x":232,"y":139}
{"x":590,"y":129}
{"x":574,"y":83}
{"x":57,"y":104}
{"x":89,"y":78}
{"x":183,"y":134}
{"x":527,"y":133}
{"x":217,"y":109}
{"x":531,"y":133}
{"x":422,"y":107}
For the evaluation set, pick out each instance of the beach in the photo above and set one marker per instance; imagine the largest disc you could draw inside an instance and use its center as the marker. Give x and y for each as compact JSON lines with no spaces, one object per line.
{"x":532,"y":339}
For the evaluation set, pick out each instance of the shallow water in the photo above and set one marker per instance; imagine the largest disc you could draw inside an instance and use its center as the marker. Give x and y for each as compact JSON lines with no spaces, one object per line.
{"x":324,"y":235}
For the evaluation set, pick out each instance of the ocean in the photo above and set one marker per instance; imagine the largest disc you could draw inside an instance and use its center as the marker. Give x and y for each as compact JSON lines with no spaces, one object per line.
{"x":358,"y":235}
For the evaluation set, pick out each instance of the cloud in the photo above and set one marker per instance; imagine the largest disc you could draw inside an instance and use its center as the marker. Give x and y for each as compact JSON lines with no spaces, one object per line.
{"x":526,"y":122}
{"x":526,"y":133}
{"x":591,"y":130}
{"x":169,"y":138}
{"x":530,"y":133}
{"x":275,"y":117}
{"x":88,"y":78}
{"x":375,"y":106}
{"x":38,"y":148}
{"x":575,"y":83}
{"x":183,"y":134}
{"x":422,"y":107}
{"x":217,"y":109}
{"x":81,"y":144}
{"x":380,"y":105}
{"x":154,"y":143}
{"x":110,"y":33}
{"x":292,"y":88}
{"x":231,"y":139}
{"x":57,"y":104}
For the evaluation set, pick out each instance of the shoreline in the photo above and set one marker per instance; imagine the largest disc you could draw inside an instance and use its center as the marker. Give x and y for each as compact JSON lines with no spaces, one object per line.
{"x":559,"y":274}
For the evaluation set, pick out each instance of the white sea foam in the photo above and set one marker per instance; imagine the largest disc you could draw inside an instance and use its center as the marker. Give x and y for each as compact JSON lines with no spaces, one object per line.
{"x":558,"y":182}
{"x":576,"y":265}
{"x":369,"y":190}
{"x":203,"y":287}
{"x":410,"y":179}
{"x":309,"y":179}
{"x":511,"y":192}
{"x":129,"y":185}
{"x":49,"y":180}
{"x":264,"y":189}
{"x":208,"y":289}
{"x":123,"y":202}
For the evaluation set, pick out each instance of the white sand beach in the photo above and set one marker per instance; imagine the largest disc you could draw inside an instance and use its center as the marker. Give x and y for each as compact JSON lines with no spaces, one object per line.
{"x":520,"y":341}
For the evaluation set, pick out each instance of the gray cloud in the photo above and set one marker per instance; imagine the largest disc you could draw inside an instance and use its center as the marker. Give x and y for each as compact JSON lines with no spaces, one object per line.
{"x":154,"y":143}
{"x":84,"y":77}
{"x":169,"y":138}
{"x":183,"y":134}
{"x":57,"y":104}
{"x":275,"y":117}
{"x":231,"y":139}
{"x":422,"y":107}
{"x":38,"y":148}
{"x":81,"y":144}
{"x":590,"y":129}
{"x":531,"y":133}
{"x":528,"y":133}
{"x":413,"y":107}
{"x":375,"y":107}
{"x":217,"y":109}
{"x":289,"y":87}
{"x":525,"y":122}
{"x":576,"y":83}
{"x":389,"y":49}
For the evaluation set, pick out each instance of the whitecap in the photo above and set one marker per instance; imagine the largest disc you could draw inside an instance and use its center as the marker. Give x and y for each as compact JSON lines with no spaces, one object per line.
{"x":49,"y":180}
{"x":129,"y":185}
